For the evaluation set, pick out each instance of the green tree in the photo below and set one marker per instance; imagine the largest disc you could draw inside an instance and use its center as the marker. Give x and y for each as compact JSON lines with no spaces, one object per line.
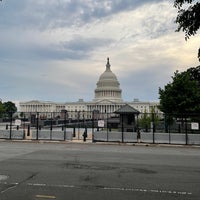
{"x":145,"y":121}
{"x":9,"y":107}
{"x":1,"y":109}
{"x":188,"y":17}
{"x":147,"y":118}
{"x":182,"y":95}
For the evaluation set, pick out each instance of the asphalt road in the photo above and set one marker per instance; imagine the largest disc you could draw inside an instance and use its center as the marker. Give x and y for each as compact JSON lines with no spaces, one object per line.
{"x":35,"y":171}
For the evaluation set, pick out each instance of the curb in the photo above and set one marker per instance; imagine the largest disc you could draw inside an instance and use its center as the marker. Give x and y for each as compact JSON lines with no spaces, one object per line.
{"x":100,"y":143}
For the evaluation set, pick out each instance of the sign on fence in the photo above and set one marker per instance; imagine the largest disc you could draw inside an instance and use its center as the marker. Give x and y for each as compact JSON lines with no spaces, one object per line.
{"x":195,"y":126}
{"x":101,"y":123}
{"x":18,"y":122}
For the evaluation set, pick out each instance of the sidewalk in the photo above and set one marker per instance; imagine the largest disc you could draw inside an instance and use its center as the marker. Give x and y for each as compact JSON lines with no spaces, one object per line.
{"x":89,"y":141}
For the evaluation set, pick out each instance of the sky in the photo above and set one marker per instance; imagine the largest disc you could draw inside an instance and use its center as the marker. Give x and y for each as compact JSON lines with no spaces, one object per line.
{"x":56,"y":50}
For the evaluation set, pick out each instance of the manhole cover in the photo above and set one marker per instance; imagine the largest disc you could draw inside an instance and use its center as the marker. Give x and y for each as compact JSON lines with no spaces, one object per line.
{"x":3,"y":177}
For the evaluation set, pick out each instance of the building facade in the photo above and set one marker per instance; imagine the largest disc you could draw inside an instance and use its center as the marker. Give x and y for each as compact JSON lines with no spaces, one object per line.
{"x":107,"y":99}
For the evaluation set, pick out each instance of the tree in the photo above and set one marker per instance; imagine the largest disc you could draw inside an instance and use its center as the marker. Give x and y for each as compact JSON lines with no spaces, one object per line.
{"x":9,"y":107}
{"x":182,"y":95}
{"x":147,"y":118}
{"x":1,"y":109}
{"x":188,"y":17}
{"x":145,"y":121}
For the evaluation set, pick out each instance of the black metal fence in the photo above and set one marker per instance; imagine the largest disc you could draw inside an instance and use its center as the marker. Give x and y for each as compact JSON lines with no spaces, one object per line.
{"x":69,"y":125}
{"x":45,"y":125}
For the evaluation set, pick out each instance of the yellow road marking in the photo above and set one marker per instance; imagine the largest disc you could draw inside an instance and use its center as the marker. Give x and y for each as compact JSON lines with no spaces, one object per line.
{"x":45,"y":197}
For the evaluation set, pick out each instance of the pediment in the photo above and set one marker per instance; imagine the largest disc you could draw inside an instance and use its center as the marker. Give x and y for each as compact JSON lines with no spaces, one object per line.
{"x":105,"y":101}
{"x":35,"y":102}
{"x":127,"y":109}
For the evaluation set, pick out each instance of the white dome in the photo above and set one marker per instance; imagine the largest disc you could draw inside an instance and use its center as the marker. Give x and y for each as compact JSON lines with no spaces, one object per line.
{"x":108,"y":86}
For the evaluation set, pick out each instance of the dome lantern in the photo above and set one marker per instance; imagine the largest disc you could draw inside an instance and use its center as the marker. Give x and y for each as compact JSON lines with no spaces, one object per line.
{"x":108,"y":65}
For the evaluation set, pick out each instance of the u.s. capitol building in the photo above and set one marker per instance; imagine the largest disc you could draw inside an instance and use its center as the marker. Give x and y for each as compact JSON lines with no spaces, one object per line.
{"x":107,"y":99}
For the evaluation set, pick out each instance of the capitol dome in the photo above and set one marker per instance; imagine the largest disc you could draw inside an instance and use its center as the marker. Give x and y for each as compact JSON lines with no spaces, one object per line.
{"x":108,"y":86}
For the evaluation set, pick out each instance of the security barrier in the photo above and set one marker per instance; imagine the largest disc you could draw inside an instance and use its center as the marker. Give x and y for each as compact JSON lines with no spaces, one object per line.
{"x":105,"y":127}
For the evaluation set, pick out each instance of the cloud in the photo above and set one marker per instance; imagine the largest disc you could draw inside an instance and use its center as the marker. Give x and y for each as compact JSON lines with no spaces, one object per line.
{"x":81,"y":47}
{"x":33,"y":43}
{"x":56,"y":50}
{"x":144,"y":83}
{"x":47,"y":14}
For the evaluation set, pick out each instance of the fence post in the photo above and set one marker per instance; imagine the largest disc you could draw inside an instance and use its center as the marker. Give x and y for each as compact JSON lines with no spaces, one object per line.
{"x":65,"y":119}
{"x":37,"y":125}
{"x":169,"y":130}
{"x":51,"y":126}
{"x":28,"y":130}
{"x":107,"y":125}
{"x":153,"y":128}
{"x":186,"y":132}
{"x":78,"y":115}
{"x":10,"y":137}
{"x":24,"y":127}
{"x":122,"y":128}
{"x":93,"y":126}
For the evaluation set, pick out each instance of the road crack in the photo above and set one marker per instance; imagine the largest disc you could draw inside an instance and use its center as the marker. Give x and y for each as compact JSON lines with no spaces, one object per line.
{"x":10,"y":186}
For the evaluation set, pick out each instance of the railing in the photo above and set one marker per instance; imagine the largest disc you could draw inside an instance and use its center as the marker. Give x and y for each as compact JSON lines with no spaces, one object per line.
{"x":107,"y":127}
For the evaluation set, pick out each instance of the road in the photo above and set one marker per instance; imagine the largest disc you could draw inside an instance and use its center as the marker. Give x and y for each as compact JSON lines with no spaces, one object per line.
{"x":42,"y":171}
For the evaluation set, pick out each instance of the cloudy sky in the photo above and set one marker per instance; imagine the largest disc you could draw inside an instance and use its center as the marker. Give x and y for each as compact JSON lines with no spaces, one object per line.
{"x":55,"y":50}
